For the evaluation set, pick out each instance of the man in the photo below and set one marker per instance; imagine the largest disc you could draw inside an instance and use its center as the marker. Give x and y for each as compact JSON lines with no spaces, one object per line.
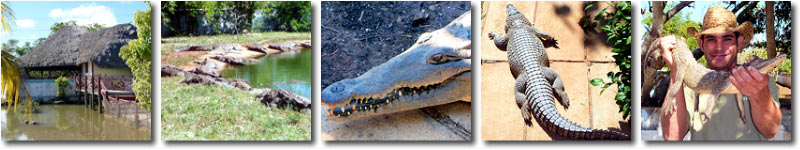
{"x":720,"y":41}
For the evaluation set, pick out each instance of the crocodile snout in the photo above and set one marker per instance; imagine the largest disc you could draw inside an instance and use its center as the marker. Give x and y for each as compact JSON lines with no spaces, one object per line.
{"x":511,"y":9}
{"x":336,"y":92}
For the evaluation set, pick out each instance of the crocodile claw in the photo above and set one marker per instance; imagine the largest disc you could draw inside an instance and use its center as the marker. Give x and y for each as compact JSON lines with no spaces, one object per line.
{"x":493,"y":35}
{"x":551,"y":42}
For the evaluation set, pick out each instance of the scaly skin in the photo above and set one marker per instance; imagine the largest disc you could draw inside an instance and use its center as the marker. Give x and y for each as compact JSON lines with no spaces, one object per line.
{"x":697,"y":77}
{"x":538,"y":86}
{"x":436,"y":70}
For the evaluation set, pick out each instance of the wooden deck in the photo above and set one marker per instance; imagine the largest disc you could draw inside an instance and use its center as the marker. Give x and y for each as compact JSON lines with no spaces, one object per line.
{"x":112,"y":95}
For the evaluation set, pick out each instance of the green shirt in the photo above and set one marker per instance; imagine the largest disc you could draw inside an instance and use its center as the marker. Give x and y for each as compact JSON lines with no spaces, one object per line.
{"x":725,"y":123}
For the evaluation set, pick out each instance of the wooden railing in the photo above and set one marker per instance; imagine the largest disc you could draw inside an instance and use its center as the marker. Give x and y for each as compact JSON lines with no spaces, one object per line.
{"x":114,"y":95}
{"x":105,"y":86}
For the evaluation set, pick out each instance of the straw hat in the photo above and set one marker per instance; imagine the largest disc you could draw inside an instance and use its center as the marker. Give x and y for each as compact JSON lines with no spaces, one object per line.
{"x":721,"y":20}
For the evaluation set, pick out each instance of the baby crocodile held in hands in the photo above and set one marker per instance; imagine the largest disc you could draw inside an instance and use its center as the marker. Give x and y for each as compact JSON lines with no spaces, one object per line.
{"x":694,"y":75}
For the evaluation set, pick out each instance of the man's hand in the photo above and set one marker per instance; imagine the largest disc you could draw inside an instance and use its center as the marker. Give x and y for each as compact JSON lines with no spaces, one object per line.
{"x":750,"y":82}
{"x":766,"y":115}
{"x":667,"y":44}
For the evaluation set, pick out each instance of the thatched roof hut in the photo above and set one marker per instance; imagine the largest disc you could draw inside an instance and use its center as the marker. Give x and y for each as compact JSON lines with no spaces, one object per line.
{"x":72,"y":46}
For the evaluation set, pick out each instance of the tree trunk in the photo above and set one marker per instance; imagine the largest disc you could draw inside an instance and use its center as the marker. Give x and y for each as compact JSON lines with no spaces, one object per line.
{"x":771,"y":50}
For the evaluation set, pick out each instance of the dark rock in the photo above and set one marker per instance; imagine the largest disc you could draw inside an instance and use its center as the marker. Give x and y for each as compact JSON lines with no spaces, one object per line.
{"x":206,"y":68}
{"x":196,"y":48}
{"x":239,"y":84}
{"x":305,"y":44}
{"x":256,"y":47}
{"x":170,"y":70}
{"x":283,"y":46}
{"x":282,"y":98}
{"x":201,"y":79}
{"x":235,"y":60}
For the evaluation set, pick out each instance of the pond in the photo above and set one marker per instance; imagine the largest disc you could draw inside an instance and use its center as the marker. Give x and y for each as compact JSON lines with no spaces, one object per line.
{"x":71,"y":123}
{"x":288,"y":70}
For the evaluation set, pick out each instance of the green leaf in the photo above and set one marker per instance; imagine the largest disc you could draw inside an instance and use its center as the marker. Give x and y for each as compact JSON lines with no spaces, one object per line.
{"x":588,"y":6}
{"x":621,"y":96}
{"x":628,"y":40}
{"x":596,"y":81}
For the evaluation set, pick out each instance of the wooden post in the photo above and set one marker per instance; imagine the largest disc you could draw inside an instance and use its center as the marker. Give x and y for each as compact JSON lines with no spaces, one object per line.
{"x":136,"y":114}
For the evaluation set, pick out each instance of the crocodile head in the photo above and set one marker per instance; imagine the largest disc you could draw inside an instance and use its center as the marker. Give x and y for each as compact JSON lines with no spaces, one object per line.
{"x":435,"y":70}
{"x":515,"y":18}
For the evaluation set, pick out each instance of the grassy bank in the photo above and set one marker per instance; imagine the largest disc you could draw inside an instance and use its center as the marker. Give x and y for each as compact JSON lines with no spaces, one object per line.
{"x":168,"y":45}
{"x":201,"y":112}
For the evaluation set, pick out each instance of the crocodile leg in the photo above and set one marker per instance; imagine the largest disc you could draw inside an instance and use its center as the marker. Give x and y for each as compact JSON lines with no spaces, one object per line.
{"x":501,"y":41}
{"x":709,"y":107}
{"x":740,"y":104}
{"x":669,"y":105}
{"x":558,"y":86}
{"x":547,"y":39}
{"x":522,"y":101}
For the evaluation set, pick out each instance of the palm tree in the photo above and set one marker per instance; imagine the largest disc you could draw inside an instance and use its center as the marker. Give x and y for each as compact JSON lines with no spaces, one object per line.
{"x":11,"y":80}
{"x":7,"y":17}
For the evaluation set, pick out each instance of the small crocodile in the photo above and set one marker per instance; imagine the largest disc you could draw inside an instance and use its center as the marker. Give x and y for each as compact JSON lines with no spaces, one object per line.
{"x":696,"y":76}
{"x":536,"y":83}
{"x":436,"y":70}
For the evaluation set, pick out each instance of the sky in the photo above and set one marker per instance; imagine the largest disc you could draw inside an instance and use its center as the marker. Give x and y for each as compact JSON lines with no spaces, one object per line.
{"x":697,"y":13}
{"x":34,"y":19}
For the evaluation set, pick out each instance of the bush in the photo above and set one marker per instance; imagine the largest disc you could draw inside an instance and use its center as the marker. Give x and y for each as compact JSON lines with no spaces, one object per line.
{"x":62,"y":83}
{"x":617,"y":27}
{"x":137,"y":56}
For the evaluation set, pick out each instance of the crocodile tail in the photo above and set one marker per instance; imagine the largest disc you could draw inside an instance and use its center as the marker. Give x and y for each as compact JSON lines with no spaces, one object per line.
{"x":551,"y":120}
{"x":544,"y":111}
{"x":601,"y":134}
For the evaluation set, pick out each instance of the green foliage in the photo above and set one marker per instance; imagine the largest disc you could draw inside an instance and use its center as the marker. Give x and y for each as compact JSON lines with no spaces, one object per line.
{"x":57,"y":26}
{"x":62,"y":83}
{"x":292,"y":15}
{"x":295,"y":15}
{"x":617,"y":27}
{"x":677,"y":26}
{"x":12,"y":47}
{"x":757,"y":15}
{"x":240,"y":13}
{"x":137,"y":56}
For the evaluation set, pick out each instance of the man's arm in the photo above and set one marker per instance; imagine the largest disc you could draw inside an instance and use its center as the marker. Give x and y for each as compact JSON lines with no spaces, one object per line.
{"x":755,"y":85}
{"x":674,"y":126}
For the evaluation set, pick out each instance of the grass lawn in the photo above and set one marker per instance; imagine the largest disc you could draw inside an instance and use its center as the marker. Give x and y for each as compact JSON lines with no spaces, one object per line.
{"x":202,"y":112}
{"x":168,"y":45}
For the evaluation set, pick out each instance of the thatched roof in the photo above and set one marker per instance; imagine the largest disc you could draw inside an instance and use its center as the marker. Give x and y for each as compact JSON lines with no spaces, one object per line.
{"x":73,"y":45}
{"x":60,"y":50}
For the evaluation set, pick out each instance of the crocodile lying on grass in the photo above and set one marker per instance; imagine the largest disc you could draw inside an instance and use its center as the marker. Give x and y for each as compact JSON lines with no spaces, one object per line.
{"x":435,"y":70}
{"x":536,"y":83}
{"x":694,"y":75}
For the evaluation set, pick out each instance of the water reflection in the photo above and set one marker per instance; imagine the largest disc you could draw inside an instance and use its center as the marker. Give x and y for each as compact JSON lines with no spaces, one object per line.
{"x":69,"y":122}
{"x":288,"y":70}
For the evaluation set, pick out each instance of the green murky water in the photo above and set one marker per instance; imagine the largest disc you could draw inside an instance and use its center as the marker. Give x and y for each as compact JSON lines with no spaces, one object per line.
{"x":70,"y":123}
{"x":289,"y":70}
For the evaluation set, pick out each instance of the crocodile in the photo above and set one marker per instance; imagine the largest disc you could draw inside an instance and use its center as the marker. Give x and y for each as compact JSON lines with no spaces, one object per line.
{"x":537,"y":86}
{"x":435,"y":70}
{"x":697,"y":77}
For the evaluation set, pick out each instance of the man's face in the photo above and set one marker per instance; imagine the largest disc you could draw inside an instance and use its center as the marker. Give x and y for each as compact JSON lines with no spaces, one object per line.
{"x":720,"y":50}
